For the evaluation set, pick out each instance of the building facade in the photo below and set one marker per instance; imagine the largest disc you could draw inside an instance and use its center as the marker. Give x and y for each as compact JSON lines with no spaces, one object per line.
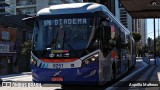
{"x":134,"y":25}
{"x":7,"y":44}
{"x":125,"y":18}
{"x":7,"y":50}
{"x":31,"y":7}
{"x":2,"y":7}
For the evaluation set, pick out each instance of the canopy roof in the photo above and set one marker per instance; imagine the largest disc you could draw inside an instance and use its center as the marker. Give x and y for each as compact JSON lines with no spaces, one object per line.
{"x":142,"y":8}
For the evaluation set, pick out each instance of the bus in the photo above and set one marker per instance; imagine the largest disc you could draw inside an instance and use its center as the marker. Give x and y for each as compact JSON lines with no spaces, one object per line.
{"x":80,"y":43}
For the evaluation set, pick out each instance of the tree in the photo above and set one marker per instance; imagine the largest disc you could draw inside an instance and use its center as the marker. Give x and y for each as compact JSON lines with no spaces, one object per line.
{"x":26,"y":47}
{"x":136,"y":36}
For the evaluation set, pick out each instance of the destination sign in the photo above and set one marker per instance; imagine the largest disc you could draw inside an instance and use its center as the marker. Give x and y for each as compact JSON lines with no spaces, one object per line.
{"x":74,"y":21}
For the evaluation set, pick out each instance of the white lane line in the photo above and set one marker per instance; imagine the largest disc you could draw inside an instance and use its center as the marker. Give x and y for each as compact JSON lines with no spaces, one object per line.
{"x":129,"y":76}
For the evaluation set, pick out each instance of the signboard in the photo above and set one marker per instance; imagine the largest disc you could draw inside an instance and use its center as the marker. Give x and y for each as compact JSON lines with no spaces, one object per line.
{"x":75,"y":21}
{"x":4,"y":48}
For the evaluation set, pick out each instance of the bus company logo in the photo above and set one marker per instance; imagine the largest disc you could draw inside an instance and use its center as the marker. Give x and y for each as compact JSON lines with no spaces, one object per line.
{"x":20,"y":84}
{"x":51,"y":55}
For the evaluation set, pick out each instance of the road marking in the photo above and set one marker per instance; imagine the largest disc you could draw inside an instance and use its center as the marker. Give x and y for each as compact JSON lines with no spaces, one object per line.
{"x":129,"y":76}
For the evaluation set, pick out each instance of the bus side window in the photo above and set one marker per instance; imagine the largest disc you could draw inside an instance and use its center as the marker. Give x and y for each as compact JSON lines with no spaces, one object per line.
{"x":122,"y":34}
{"x":118,"y":37}
{"x":105,"y":31}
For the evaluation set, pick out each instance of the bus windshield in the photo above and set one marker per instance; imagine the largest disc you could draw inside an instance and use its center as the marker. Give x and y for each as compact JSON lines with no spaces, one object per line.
{"x":69,"y":33}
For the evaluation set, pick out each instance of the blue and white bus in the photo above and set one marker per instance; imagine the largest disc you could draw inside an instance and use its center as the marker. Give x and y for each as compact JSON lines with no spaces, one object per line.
{"x":80,"y":43}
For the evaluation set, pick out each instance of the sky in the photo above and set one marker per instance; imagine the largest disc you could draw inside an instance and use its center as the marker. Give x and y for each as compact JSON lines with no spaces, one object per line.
{"x":150,"y":28}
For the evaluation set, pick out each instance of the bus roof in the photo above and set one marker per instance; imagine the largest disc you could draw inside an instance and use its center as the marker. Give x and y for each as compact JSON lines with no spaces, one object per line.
{"x":75,"y":8}
{"x":72,"y":8}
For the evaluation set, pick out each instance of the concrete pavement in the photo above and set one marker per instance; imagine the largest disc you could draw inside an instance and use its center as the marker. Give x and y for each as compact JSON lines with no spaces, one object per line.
{"x":147,"y":79}
{"x":25,"y":76}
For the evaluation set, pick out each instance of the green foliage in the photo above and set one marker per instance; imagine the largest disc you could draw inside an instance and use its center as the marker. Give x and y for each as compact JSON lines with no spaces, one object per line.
{"x":136,"y":36}
{"x":26,"y":47}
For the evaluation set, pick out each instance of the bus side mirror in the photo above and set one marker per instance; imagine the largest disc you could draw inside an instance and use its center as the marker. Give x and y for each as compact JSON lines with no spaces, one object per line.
{"x":108,"y":32}
{"x":29,"y":21}
{"x":104,"y":23}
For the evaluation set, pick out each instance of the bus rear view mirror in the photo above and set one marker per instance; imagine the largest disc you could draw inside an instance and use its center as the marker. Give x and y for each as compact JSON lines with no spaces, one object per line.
{"x":29,"y":21}
{"x":108,"y":32}
{"x":105,"y":23}
{"x":28,"y":18}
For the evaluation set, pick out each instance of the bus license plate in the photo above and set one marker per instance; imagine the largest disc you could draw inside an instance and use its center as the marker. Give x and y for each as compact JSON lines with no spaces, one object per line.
{"x":57,"y":79}
{"x":57,"y":65}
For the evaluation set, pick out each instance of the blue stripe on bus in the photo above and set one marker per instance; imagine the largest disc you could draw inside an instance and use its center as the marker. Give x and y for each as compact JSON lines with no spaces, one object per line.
{"x":46,"y":65}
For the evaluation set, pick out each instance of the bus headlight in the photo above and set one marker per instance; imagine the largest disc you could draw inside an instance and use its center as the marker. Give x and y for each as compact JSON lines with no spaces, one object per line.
{"x":90,"y":59}
{"x":33,"y":61}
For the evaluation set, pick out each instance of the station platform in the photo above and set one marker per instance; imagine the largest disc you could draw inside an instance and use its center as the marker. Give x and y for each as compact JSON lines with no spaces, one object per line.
{"x":147,"y":79}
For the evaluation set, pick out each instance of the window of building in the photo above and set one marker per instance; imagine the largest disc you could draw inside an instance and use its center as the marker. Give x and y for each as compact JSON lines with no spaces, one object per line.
{"x":55,"y":2}
{"x":5,"y":35}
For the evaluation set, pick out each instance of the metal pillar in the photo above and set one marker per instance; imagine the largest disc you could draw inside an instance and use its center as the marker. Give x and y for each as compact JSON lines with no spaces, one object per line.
{"x":158,"y":36}
{"x":154,"y":40}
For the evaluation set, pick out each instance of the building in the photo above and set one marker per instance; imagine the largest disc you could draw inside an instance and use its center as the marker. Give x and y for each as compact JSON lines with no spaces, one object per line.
{"x":12,"y":35}
{"x":7,"y":44}
{"x":125,"y":18}
{"x":31,"y":7}
{"x":110,"y":4}
{"x":134,"y":25}
{"x":2,"y":7}
{"x":7,"y":50}
{"x":139,"y":26}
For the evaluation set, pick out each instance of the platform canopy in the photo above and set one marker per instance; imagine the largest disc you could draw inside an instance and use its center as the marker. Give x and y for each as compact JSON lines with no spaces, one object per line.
{"x":142,"y":8}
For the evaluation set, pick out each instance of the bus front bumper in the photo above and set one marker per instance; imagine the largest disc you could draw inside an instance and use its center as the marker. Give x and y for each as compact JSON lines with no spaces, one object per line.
{"x":87,"y":74}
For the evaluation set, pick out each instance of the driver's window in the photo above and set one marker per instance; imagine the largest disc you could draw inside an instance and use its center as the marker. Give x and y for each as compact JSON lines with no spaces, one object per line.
{"x":105,"y":28}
